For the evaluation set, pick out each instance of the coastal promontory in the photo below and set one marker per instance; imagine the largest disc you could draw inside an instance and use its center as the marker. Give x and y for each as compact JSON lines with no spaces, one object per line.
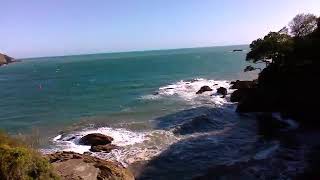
{"x":5,"y":59}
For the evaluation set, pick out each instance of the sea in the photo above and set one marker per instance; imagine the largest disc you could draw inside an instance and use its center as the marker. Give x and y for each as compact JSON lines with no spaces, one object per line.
{"x":145,"y":100}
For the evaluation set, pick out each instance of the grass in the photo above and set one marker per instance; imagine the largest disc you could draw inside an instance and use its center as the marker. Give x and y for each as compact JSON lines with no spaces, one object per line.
{"x":20,"y":162}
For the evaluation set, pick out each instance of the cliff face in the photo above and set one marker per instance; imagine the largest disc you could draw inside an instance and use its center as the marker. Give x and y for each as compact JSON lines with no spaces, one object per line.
{"x":4,"y":59}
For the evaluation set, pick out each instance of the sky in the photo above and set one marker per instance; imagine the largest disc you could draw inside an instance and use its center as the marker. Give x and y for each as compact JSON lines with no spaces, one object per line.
{"x":36,"y":28}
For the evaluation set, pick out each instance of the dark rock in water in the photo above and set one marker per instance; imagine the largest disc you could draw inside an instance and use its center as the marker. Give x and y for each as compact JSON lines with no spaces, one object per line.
{"x":243,"y":84}
{"x":204,"y":89}
{"x":237,"y":50}
{"x":223,"y":91}
{"x":156,"y":93}
{"x":71,"y":138}
{"x":70,"y":165}
{"x":95,"y":139}
{"x":105,"y":148}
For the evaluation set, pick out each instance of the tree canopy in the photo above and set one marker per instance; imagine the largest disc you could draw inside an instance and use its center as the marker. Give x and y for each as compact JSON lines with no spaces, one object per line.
{"x":278,"y":47}
{"x":303,"y":24}
{"x":273,"y":47}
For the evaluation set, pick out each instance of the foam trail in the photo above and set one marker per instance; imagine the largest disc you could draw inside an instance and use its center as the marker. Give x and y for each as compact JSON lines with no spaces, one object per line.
{"x":186,"y":91}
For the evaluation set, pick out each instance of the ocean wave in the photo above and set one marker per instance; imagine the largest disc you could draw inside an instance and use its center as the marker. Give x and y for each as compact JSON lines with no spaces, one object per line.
{"x":186,"y":90}
{"x":133,"y":146}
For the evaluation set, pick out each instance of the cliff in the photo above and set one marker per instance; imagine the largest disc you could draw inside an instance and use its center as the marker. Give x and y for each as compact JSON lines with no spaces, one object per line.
{"x":5,"y":59}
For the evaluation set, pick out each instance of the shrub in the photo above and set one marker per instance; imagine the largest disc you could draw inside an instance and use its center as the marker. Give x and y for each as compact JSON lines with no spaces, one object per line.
{"x":19,"y":162}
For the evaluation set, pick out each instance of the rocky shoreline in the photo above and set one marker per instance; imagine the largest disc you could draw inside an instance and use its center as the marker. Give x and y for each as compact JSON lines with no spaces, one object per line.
{"x":71,"y":165}
{"x":5,"y":59}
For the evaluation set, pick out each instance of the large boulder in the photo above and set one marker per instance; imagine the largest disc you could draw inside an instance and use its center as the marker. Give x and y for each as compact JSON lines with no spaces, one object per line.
{"x":103,"y":148}
{"x":70,"y":165}
{"x":204,"y":89}
{"x":223,"y":91}
{"x":95,"y":139}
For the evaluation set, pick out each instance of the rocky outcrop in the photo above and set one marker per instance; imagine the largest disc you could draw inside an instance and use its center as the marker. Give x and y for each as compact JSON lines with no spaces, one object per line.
{"x":243,"y":84}
{"x":95,"y":139}
{"x":103,"y":148}
{"x":204,"y":89}
{"x":70,"y":165}
{"x":4,"y":59}
{"x":223,"y":91}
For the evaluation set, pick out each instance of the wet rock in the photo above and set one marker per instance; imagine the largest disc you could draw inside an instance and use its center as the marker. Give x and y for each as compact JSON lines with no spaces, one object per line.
{"x":87,"y":153}
{"x":243,"y":84}
{"x":71,"y":138}
{"x":204,"y":89}
{"x":95,"y":139}
{"x":223,"y":91}
{"x":103,"y":148}
{"x":70,"y":165}
{"x":239,"y":94}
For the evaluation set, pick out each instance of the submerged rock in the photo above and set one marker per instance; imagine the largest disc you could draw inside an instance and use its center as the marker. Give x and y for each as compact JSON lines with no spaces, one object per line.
{"x":204,"y":89}
{"x":202,"y":123}
{"x":70,"y":165}
{"x":223,"y":91}
{"x":95,"y":139}
{"x":105,"y":148}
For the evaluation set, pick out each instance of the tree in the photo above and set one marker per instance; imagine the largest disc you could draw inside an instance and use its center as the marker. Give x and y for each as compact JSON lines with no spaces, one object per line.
{"x":303,"y":24}
{"x":271,"y":49}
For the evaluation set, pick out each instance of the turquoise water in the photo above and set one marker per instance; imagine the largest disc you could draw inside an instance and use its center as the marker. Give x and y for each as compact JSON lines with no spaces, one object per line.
{"x":60,"y":91}
{"x":147,"y":102}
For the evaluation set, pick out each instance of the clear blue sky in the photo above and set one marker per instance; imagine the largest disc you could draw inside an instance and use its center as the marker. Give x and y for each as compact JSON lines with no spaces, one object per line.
{"x":31,"y":28}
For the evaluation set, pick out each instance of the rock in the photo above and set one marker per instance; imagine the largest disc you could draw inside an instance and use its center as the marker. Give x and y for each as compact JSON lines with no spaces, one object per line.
{"x":71,"y":138}
{"x":70,"y":165}
{"x":223,"y":91}
{"x":204,"y":89}
{"x":105,"y":148}
{"x":237,"y":50}
{"x":239,"y":94}
{"x":243,"y":84}
{"x":87,"y":153}
{"x":95,"y":139}
{"x":4,"y":59}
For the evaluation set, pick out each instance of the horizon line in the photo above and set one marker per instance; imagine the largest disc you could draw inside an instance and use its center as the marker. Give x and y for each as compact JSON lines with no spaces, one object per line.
{"x":129,"y":51}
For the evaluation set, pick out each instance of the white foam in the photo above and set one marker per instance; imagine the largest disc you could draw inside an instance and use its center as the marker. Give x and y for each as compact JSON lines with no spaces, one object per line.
{"x":292,"y":124}
{"x":186,"y":91}
{"x":264,"y":154}
{"x":57,"y":137}
{"x":134,"y":146}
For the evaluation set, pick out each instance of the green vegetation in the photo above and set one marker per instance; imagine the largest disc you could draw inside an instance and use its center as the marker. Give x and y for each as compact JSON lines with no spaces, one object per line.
{"x":292,"y":57}
{"x":19,"y":162}
{"x":282,"y":47}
